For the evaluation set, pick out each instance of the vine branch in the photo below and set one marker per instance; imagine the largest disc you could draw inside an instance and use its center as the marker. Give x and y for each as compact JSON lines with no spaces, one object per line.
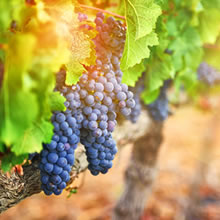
{"x":102,"y":10}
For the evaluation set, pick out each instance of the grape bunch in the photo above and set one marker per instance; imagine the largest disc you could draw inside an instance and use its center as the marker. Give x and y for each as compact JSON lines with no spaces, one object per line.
{"x":159,"y":109}
{"x":103,"y":95}
{"x":92,"y":106}
{"x":207,"y":74}
{"x":58,"y":156}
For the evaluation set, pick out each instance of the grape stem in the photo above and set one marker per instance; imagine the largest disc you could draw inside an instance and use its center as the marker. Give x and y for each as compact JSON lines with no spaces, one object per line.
{"x":101,"y":10}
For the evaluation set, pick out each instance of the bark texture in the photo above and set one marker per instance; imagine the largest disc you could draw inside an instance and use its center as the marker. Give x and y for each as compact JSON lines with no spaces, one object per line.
{"x":15,"y":188}
{"x":140,"y":174}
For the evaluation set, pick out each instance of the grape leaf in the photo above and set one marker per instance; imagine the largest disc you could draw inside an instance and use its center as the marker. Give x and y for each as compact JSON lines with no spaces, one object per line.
{"x":150,"y":96}
{"x":33,"y":138}
{"x":15,"y":115}
{"x":158,"y":71}
{"x":56,"y":102}
{"x":138,"y":36}
{"x":143,"y":15}
{"x":11,"y":160}
{"x":82,"y":49}
{"x":130,"y":78}
{"x":212,"y":55}
{"x":209,"y":20}
{"x":10,"y":10}
{"x":2,"y":147}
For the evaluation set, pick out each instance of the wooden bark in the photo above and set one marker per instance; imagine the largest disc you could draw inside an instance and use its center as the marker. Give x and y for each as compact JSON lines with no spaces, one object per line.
{"x":15,"y":188}
{"x":140,"y":174}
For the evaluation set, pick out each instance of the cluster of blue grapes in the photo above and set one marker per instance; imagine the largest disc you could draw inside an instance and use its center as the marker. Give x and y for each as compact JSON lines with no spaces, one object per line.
{"x":57,"y":158}
{"x":159,"y":109}
{"x":91,"y":110}
{"x":207,"y":74}
{"x":103,"y":95}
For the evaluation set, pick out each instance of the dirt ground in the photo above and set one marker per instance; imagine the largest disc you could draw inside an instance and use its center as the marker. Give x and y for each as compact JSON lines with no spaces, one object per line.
{"x":190,"y":152}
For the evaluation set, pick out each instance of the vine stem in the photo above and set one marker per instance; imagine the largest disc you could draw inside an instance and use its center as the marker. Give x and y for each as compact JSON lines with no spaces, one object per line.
{"x":101,"y":10}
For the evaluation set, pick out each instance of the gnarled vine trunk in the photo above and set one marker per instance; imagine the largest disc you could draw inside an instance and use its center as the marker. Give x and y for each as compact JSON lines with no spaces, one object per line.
{"x":140,"y":174}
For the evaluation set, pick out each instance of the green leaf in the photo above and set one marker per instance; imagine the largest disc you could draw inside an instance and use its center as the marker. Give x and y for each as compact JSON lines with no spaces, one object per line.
{"x":131,"y":75}
{"x":82,"y":49}
{"x":136,"y":50}
{"x":74,"y":71}
{"x":209,"y":20}
{"x":182,"y":49}
{"x":33,"y":138}
{"x":2,"y":147}
{"x":19,"y":110}
{"x":212,"y":55}
{"x":150,"y":96}
{"x":57,"y":102}
{"x":159,"y":70}
{"x":9,"y":10}
{"x":141,"y":16}
{"x":11,"y":160}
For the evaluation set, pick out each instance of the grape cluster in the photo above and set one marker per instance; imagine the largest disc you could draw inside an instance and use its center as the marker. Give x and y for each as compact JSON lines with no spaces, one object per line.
{"x":207,"y":74}
{"x":159,"y":109}
{"x":58,"y":156}
{"x":103,"y":95}
{"x":92,"y":106}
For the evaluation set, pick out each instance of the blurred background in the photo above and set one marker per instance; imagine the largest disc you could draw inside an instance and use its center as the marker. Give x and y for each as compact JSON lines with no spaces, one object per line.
{"x":187,"y":185}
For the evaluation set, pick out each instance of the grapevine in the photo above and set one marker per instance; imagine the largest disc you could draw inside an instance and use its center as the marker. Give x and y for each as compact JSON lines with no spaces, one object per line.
{"x":92,"y":106}
{"x":71,"y":71}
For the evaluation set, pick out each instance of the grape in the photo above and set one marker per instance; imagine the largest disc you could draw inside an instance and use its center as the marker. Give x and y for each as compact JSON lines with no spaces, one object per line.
{"x":62,"y":162}
{"x":99,"y":87}
{"x":98,"y":96}
{"x":44,"y":179}
{"x":60,"y":117}
{"x":52,"y":157}
{"x":108,"y":86}
{"x":62,"y":185}
{"x":107,"y":101}
{"x":93,"y":117}
{"x":207,"y":74}
{"x":87,"y":110}
{"x":89,"y":100}
{"x":82,"y":17}
{"x":92,"y":125}
{"x":126,"y":111}
{"x":48,"y":167}
{"x":55,"y":179}
{"x":57,"y":170}
{"x":121,"y":96}
{"x":63,"y":139}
